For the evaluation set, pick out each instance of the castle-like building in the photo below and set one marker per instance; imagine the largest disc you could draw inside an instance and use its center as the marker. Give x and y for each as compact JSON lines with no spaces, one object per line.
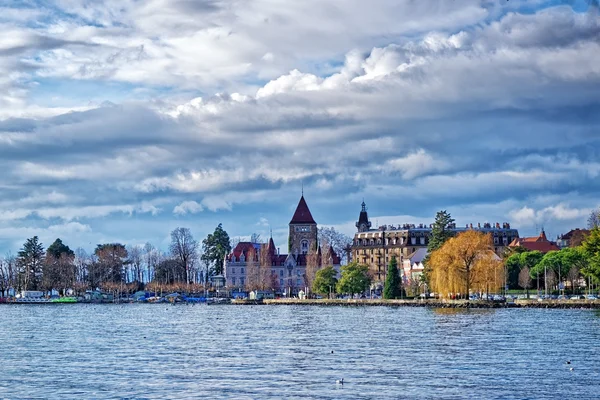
{"x":287,"y":271}
{"x":375,"y":247}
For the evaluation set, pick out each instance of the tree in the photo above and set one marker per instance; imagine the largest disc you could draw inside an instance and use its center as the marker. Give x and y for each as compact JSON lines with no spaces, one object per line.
{"x":169,"y":272}
{"x":354,"y":279}
{"x":340,"y":242}
{"x":252,"y":270}
{"x":59,"y":271}
{"x":575,"y":260}
{"x":591,"y":250}
{"x":525,"y":279}
{"x":513,"y":269}
{"x":553,"y":262}
{"x":325,"y":281}
{"x":184,"y":249}
{"x":312,"y":266}
{"x":458,"y":261}
{"x":265,"y":276}
{"x":440,"y":231}
{"x":135,"y":261}
{"x":30,"y":263}
{"x":108,"y":268}
{"x":530,"y":259}
{"x":392,"y":288}
{"x":215,"y":247}
{"x":594,"y":219}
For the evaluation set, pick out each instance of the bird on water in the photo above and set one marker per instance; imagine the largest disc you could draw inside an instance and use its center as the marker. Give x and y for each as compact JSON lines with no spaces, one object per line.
{"x":340,"y":381}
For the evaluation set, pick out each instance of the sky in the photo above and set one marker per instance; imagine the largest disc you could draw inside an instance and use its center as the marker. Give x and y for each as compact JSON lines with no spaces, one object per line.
{"x":121,"y":120}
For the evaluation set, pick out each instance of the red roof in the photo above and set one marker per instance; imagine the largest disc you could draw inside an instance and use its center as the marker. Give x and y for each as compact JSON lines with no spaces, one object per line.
{"x":539,"y":243}
{"x":302,"y":214}
{"x":243,"y":247}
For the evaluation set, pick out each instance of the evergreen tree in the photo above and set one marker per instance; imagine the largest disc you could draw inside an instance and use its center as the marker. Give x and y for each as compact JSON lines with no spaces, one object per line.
{"x":215,"y":247}
{"x":30,"y":263}
{"x":392,"y":288}
{"x":440,"y":231}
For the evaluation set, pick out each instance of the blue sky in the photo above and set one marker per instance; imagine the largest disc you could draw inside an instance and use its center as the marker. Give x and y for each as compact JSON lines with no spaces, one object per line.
{"x":122,"y":120}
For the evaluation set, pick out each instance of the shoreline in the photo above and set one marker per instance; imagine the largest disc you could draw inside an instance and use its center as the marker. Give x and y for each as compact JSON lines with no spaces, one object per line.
{"x":520,"y":303}
{"x":464,"y":304}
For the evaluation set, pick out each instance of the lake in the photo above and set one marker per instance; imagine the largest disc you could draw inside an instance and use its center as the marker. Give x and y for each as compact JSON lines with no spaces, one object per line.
{"x":274,"y":352}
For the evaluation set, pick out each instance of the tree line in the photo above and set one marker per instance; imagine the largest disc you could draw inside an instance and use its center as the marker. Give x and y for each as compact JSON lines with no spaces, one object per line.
{"x":115,"y":266}
{"x":459,"y":264}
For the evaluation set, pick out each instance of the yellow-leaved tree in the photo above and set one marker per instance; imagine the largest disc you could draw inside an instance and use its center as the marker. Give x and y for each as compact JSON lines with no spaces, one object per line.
{"x":463,"y":263}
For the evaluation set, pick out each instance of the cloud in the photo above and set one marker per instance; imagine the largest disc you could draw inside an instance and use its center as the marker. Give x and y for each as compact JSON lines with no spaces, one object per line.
{"x":188,"y":207}
{"x":419,"y":106}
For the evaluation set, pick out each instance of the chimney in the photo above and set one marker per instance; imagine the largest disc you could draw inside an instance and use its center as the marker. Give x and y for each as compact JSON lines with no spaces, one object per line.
{"x":278,"y":251}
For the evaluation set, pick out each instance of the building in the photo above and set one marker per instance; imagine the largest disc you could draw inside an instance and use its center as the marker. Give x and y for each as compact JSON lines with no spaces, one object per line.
{"x":375,"y":246}
{"x":412,"y":266}
{"x":536,"y":243}
{"x":573,"y":238}
{"x":287,"y":271}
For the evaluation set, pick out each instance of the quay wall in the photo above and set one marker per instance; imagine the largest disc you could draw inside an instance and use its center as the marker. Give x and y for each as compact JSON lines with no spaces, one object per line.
{"x":520,"y":303}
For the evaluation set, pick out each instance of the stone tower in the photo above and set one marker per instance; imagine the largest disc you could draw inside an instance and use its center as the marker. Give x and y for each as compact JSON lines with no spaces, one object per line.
{"x":303,"y":230}
{"x":363,"y":223}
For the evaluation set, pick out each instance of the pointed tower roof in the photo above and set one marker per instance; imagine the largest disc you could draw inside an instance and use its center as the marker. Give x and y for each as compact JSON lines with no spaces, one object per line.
{"x":302,"y":214}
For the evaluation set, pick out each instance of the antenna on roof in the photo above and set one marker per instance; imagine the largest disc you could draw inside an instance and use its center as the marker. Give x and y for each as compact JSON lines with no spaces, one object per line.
{"x":302,"y":188}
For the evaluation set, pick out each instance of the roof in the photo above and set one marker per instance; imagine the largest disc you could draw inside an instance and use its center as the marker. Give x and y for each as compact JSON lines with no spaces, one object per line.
{"x":418,"y":256}
{"x":575,"y":232}
{"x":536,"y":243}
{"x":302,"y":214}
{"x":243,"y":247}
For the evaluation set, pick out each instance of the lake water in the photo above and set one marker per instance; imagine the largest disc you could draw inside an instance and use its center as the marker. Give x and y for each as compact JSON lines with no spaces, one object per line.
{"x":261,"y":352}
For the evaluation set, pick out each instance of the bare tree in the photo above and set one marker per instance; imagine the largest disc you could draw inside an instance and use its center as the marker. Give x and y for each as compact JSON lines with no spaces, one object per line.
{"x":525,"y":279}
{"x":594,"y":219}
{"x":82,"y":261}
{"x":312,"y":266}
{"x":252,"y":270}
{"x":264,"y":261}
{"x":184,"y":249}
{"x":340,"y":242}
{"x":135,"y":261}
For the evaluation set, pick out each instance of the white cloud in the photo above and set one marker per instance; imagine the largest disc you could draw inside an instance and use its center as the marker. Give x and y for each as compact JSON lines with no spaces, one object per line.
{"x":188,"y":207}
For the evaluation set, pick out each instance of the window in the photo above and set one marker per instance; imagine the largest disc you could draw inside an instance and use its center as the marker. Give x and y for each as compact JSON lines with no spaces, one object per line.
{"x":304,"y":246}
{"x":242,"y":281}
{"x":242,"y":270}
{"x":495,"y":240}
{"x":298,"y":282}
{"x":422,"y":239}
{"x":232,"y":271}
{"x":302,"y":229}
{"x":233,"y":281}
{"x":289,"y":272}
{"x":413,"y":240}
{"x":281,"y":282}
{"x":281,"y":273}
{"x":298,"y":272}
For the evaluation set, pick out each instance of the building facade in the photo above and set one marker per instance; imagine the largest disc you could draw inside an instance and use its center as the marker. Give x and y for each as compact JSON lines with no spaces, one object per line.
{"x":286,"y":272}
{"x":376,"y":246}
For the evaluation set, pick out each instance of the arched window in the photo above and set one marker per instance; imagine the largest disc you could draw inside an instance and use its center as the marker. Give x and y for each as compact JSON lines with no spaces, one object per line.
{"x":304,"y":245}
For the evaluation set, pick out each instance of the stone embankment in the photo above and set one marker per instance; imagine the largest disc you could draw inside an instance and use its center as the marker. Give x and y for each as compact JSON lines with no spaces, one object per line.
{"x":561,"y":304}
